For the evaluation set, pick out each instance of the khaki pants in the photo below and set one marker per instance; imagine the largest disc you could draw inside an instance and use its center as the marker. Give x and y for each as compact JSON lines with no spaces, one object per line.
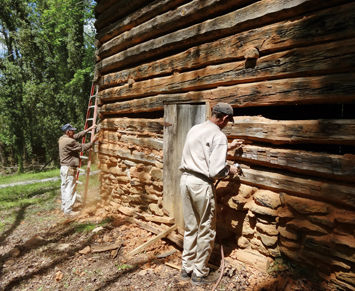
{"x":67,"y":175}
{"x":198,"y":204}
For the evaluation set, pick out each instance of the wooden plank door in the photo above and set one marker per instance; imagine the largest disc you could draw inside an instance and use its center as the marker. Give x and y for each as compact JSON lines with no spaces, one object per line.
{"x":178,"y":118}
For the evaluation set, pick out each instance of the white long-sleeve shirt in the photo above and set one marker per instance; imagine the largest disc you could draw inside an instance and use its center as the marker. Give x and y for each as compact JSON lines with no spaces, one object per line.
{"x":205,"y":151}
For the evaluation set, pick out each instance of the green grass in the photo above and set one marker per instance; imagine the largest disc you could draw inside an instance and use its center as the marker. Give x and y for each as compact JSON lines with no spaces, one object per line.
{"x":20,"y":195}
{"x":29,"y":176}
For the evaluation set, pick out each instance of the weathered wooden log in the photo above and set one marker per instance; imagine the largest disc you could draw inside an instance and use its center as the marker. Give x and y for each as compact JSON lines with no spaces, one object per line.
{"x":314,"y":28}
{"x":149,"y":142}
{"x":340,"y":167}
{"x":323,"y":131}
{"x":103,"y":5}
{"x":173,"y":20}
{"x":255,"y":15}
{"x":319,"y":59}
{"x":318,"y":189}
{"x":337,"y":88}
{"x":113,"y":10}
{"x":124,"y":153}
{"x":132,"y":124}
{"x":137,"y":17}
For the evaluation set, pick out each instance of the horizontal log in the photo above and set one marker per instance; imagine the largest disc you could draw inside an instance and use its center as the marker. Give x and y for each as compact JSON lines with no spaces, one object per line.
{"x":320,"y":190}
{"x":137,"y":17}
{"x":337,"y":88}
{"x":102,"y":5}
{"x":148,"y":142}
{"x":141,"y":157}
{"x":319,"y":59}
{"x":341,"y":167}
{"x":134,"y":124}
{"x":256,"y":15}
{"x":326,"y":25}
{"x":112,"y":11}
{"x":173,"y":20}
{"x":323,"y":131}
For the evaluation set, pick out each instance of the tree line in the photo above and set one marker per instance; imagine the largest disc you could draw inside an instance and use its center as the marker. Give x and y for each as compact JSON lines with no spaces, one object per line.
{"x":46,"y":68}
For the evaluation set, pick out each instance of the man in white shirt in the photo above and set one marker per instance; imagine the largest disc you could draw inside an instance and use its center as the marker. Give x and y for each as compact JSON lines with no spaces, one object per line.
{"x":203,"y":161}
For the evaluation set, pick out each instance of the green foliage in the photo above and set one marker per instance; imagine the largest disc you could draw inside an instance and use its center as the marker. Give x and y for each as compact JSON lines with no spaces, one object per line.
{"x":46,"y":65}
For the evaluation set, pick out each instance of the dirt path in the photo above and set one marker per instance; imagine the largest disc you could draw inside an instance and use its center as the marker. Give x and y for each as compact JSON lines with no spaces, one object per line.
{"x":43,"y":250}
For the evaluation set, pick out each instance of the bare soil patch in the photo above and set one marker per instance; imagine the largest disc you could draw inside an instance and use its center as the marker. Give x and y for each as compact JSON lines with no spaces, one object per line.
{"x":43,"y":250}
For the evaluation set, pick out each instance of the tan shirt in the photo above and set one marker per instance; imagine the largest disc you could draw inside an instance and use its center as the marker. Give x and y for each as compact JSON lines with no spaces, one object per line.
{"x":69,"y":149}
{"x":205,"y":151}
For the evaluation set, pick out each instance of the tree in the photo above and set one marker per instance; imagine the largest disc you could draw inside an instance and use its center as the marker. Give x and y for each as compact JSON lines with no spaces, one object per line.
{"x":45,"y":74}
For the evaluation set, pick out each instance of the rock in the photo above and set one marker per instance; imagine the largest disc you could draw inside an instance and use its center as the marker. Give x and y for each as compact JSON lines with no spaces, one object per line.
{"x":156,"y":174}
{"x":284,"y":212}
{"x":306,"y":206}
{"x":268,"y":241}
{"x":242,"y":242}
{"x":260,"y":209}
{"x":306,"y":226}
{"x":344,"y":216}
{"x":346,"y":277}
{"x":154,"y":208}
{"x":323,"y":220}
{"x":289,"y":244}
{"x":246,"y":191}
{"x":85,"y":250}
{"x":286,"y":233}
{"x":267,"y":198}
{"x":345,"y":240}
{"x":267,"y":228}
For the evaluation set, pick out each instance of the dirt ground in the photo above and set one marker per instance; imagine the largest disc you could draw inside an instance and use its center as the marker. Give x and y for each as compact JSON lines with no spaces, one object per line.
{"x":43,"y":250}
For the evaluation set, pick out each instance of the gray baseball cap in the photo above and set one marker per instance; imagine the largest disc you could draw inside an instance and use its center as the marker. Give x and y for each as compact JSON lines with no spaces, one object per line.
{"x":224,"y":108}
{"x":67,"y":126}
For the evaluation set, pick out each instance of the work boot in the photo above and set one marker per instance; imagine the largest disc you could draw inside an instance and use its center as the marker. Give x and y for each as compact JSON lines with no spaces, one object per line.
{"x":211,"y":278}
{"x":185,"y":275}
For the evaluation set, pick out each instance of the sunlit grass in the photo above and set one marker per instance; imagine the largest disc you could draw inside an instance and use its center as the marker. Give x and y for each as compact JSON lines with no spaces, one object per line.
{"x":29,"y":176}
{"x":20,"y":195}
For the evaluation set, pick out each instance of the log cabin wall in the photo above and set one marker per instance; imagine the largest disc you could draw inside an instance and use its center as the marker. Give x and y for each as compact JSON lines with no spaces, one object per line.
{"x":286,"y":67}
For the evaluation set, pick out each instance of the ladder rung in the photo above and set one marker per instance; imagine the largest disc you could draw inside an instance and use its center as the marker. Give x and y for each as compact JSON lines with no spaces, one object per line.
{"x":92,"y":106}
{"x":90,"y":119}
{"x":79,"y":182}
{"x":81,"y":170}
{"x":93,"y":96}
{"x":84,"y":157}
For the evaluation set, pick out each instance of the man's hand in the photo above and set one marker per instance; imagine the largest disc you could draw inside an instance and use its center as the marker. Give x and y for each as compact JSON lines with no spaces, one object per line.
{"x":91,"y":127}
{"x":96,"y":137}
{"x":236,"y":143}
{"x":235,"y":170}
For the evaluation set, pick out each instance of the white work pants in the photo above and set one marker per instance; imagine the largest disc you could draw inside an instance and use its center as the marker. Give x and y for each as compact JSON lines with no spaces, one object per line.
{"x":67,"y":175}
{"x":198,"y":203}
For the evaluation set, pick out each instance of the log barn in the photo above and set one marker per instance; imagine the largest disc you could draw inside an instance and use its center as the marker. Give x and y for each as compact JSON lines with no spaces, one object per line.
{"x":287,"y":69}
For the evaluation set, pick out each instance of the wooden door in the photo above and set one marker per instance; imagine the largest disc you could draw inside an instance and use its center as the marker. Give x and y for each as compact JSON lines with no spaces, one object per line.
{"x":179,"y":118}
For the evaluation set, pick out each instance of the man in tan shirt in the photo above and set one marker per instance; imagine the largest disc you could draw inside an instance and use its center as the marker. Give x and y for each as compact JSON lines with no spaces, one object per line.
{"x":203,"y":161}
{"x":69,"y":154}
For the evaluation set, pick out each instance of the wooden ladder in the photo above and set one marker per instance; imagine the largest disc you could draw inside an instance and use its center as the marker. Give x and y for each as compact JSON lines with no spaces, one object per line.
{"x":91,"y":119}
